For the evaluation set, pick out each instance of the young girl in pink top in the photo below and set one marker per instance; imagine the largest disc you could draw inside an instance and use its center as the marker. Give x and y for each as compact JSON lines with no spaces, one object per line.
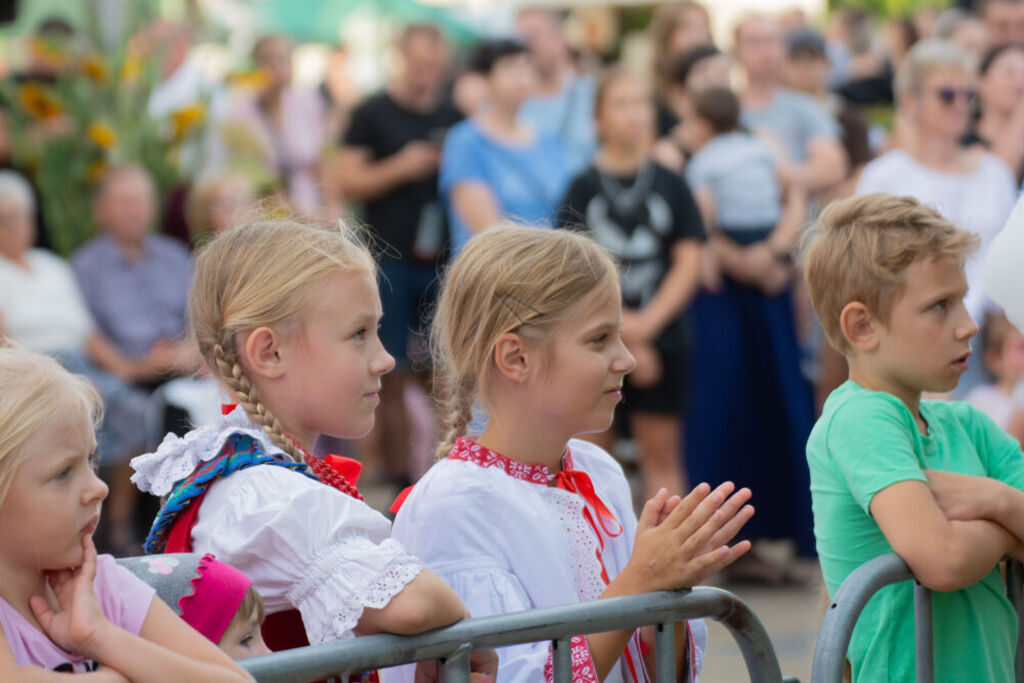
{"x":64,"y":610}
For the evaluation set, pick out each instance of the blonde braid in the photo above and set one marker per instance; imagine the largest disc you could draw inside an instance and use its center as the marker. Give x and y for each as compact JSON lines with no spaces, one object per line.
{"x":458,"y":417}
{"x":231,"y":370}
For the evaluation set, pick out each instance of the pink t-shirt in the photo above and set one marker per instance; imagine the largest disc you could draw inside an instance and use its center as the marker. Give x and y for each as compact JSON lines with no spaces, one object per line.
{"x":124,"y":598}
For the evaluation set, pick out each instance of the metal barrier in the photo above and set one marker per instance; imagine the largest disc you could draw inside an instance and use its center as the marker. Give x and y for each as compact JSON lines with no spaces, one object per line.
{"x":864,"y":582}
{"x":452,"y":644}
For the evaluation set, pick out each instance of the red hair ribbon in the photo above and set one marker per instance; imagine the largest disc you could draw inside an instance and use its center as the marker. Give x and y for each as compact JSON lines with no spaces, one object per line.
{"x":347,"y":467}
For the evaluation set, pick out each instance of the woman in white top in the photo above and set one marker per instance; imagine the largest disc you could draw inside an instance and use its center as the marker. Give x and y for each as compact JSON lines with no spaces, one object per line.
{"x":42,"y":308}
{"x":935,"y":87}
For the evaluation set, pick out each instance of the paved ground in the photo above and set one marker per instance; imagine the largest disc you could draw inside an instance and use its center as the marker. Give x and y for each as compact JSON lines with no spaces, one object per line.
{"x":792,"y":617}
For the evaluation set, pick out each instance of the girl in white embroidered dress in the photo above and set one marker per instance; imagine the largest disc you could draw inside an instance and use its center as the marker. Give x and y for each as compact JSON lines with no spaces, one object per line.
{"x":286,"y":316}
{"x":523,"y":515}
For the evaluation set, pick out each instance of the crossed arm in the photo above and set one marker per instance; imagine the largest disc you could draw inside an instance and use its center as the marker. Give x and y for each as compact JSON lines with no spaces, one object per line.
{"x":953,"y":530}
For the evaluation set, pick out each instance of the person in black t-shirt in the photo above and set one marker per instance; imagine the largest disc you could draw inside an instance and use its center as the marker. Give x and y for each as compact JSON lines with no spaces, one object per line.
{"x":645,"y":215}
{"x":389,"y":161}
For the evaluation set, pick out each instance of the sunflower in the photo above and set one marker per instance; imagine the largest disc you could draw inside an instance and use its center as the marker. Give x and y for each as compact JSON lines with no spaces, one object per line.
{"x":102,"y":134}
{"x":39,"y":101}
{"x":186,"y":119}
{"x":95,"y":172}
{"x":93,"y":68}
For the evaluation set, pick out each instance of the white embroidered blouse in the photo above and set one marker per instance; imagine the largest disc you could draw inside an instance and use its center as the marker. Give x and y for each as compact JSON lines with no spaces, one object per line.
{"x":305,"y":545}
{"x":495,"y":531}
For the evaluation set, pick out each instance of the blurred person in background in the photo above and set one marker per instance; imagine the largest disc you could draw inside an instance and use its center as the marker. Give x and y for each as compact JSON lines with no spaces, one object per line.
{"x":969,"y":186}
{"x":999,"y":125}
{"x":216,"y":202}
{"x":42,"y":307}
{"x":702,"y":67}
{"x":389,"y":161}
{"x":804,"y":136}
{"x":496,"y":166}
{"x":646,"y":217}
{"x":963,"y":28}
{"x":899,"y":35}
{"x":676,"y":29}
{"x":751,"y":408}
{"x":563,"y":101}
{"x":806,"y":70}
{"x":1004,"y":20}
{"x":289,"y":125}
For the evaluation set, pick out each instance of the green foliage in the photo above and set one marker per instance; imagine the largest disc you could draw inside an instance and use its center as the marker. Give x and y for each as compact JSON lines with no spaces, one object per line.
{"x":885,"y":9}
{"x":93,"y":115}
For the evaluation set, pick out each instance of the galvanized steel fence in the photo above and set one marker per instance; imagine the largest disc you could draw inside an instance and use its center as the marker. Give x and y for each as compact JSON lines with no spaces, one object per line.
{"x":451,"y":645}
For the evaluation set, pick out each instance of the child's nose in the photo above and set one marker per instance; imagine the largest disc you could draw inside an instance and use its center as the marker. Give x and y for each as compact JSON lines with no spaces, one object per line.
{"x":95,"y":491}
{"x":968,"y":328}
{"x":625,"y":363}
{"x":384,"y":363}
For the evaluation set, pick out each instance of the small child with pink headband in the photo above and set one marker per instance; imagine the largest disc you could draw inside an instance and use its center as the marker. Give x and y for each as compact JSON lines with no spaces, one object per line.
{"x":215,"y":599}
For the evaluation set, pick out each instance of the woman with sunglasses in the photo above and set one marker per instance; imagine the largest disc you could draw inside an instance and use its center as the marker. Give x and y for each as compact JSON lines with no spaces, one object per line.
{"x":973,"y":188}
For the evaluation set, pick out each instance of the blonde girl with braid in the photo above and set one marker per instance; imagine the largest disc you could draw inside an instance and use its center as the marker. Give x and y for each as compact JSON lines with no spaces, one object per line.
{"x":524,"y":515}
{"x":286,"y":316}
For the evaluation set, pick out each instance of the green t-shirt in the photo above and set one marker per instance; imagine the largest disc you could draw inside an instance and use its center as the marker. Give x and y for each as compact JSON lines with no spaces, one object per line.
{"x":865,"y":441}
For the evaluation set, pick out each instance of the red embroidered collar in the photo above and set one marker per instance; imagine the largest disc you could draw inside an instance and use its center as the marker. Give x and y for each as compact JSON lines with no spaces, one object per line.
{"x":470,"y":451}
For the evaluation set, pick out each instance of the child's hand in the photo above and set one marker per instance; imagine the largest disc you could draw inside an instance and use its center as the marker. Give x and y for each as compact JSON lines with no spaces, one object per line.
{"x":961,"y":496}
{"x":688,"y":545}
{"x":483,"y":665}
{"x":76,"y":626}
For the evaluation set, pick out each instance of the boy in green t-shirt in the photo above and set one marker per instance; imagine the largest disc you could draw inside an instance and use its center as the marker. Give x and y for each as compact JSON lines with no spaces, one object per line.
{"x":937,"y":482}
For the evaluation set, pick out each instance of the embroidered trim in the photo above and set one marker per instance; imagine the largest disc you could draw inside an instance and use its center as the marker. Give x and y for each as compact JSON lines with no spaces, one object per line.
{"x":583,"y":670}
{"x":470,"y":451}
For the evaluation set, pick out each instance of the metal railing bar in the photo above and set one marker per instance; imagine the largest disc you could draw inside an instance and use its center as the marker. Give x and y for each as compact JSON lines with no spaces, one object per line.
{"x":924,"y":661}
{"x":379,"y":651}
{"x":455,"y":667}
{"x":845,"y":608}
{"x":665,"y":651}
{"x":561,"y":659}
{"x":1015,"y":593}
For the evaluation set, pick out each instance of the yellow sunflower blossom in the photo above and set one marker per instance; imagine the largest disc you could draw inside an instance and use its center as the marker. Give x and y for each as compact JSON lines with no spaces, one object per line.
{"x":102,"y":134}
{"x":95,"y":172}
{"x":186,"y":120}
{"x":93,"y":68}
{"x":131,"y":69}
{"x":249,"y":80}
{"x":39,"y":101}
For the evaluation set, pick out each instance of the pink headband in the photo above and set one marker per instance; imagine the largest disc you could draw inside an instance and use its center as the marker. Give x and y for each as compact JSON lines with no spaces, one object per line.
{"x":218,"y":591}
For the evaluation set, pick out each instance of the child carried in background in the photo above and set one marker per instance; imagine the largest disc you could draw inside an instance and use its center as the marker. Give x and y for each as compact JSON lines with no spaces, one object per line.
{"x":1004,"y":358}
{"x":937,"y":482}
{"x":524,"y":515}
{"x":62,"y":608}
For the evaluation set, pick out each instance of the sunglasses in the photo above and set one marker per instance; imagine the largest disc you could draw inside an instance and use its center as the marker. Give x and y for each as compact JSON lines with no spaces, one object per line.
{"x":948,"y":94}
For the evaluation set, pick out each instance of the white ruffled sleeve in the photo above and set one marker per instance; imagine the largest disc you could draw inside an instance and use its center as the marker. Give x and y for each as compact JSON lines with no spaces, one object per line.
{"x":304,"y":545}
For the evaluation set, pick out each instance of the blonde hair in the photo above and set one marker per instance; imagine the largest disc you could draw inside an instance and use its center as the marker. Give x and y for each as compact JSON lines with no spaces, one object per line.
{"x":860,"y":248}
{"x":506,"y":278}
{"x":262,"y":274}
{"x":923,"y":58}
{"x":37,"y":391}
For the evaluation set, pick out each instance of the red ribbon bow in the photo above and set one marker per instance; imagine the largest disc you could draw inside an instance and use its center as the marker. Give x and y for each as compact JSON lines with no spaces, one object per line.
{"x":579,"y":483}
{"x":347,"y":467}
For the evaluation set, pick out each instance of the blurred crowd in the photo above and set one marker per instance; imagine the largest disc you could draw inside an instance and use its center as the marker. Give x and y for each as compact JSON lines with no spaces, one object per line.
{"x":698,"y":169}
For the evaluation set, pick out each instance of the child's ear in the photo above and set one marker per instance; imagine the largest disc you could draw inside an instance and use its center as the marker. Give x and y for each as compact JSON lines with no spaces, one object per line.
{"x":263,"y":353}
{"x":859,"y":327}
{"x":510,"y":357}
